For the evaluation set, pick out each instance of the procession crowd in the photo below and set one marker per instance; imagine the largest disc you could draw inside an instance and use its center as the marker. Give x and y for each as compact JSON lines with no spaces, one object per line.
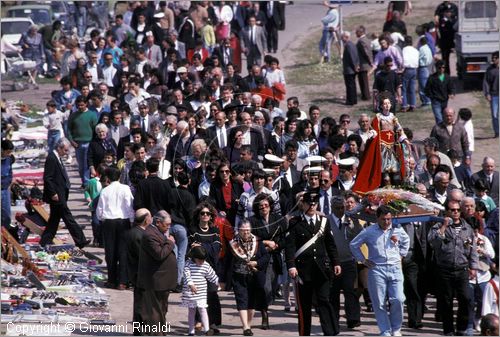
{"x":200,"y":180}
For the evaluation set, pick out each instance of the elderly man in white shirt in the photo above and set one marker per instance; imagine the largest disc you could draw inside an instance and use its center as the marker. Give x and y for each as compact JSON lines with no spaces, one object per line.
{"x":410,"y":64}
{"x":115,"y":210}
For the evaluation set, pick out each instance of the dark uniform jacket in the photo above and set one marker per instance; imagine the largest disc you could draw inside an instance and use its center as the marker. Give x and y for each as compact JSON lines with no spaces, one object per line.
{"x":318,"y":260}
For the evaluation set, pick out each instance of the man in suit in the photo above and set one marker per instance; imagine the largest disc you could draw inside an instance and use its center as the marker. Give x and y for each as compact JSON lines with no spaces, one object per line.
{"x":365,"y":62}
{"x":253,"y":42}
{"x":289,"y":172}
{"x":344,"y":230}
{"x":311,"y":258}
{"x":414,"y":268}
{"x":157,"y":272}
{"x":179,"y":46}
{"x":350,"y":64}
{"x":326,"y":192}
{"x":224,"y":53}
{"x":291,"y":148}
{"x":489,"y":175}
{"x":451,"y":134}
{"x":275,"y":11}
{"x":134,"y":240}
{"x":117,"y":130}
{"x":145,"y":118}
{"x":55,"y":193}
{"x":251,"y":135}
{"x":440,"y":188}
{"x":152,"y":192}
{"x":218,"y":133}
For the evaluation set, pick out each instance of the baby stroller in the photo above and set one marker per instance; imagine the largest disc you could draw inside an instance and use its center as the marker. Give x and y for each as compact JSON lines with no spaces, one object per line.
{"x":17,"y":66}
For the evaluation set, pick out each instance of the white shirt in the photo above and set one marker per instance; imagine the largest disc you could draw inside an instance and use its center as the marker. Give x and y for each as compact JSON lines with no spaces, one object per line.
{"x":410,"y":57}
{"x":441,"y":197}
{"x":53,"y":121}
{"x":109,"y":73}
{"x":115,"y":202}
{"x":347,"y":184}
{"x":246,"y":138}
{"x":308,"y":218}
{"x":221,"y":135}
{"x":469,"y":128}
{"x":140,"y":66}
{"x":488,"y":252}
{"x":490,"y":305}
{"x":93,"y":70}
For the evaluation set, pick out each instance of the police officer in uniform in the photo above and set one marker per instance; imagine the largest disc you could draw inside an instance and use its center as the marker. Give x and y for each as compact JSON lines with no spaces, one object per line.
{"x":311,"y":257}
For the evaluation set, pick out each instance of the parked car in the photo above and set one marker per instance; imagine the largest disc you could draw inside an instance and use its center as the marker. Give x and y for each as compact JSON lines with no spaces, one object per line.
{"x":63,"y":11}
{"x":13,"y":28}
{"x":40,"y":14}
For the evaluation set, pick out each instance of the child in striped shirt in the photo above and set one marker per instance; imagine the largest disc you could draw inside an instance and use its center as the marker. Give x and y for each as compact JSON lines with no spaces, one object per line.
{"x":194,"y":293}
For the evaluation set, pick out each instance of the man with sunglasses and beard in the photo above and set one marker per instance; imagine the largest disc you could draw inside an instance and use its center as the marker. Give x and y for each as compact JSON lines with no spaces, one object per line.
{"x":312,"y":258}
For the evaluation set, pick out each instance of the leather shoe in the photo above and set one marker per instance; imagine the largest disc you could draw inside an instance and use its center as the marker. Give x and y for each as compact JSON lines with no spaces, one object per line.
{"x":247,"y":332}
{"x":353,"y":324}
{"x":265,"y":320}
{"x":85,"y":243}
{"x":414,"y":325}
{"x":109,"y":285}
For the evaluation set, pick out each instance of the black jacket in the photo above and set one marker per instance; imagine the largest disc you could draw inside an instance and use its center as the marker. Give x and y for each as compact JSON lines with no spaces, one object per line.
{"x":275,"y":230}
{"x":437,"y":90}
{"x":220,"y":204}
{"x":134,"y":238}
{"x":318,"y":260}
{"x":181,"y":204}
{"x":55,"y":181}
{"x":152,"y":193}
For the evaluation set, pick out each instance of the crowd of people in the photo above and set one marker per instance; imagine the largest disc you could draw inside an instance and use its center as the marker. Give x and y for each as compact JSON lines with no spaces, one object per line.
{"x":197,"y":181}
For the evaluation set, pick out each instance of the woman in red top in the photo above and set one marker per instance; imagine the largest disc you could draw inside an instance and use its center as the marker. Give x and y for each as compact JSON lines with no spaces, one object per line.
{"x":225,"y":192}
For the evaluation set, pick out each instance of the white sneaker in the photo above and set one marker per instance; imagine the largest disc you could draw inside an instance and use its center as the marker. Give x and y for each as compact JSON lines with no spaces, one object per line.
{"x":397,"y":333}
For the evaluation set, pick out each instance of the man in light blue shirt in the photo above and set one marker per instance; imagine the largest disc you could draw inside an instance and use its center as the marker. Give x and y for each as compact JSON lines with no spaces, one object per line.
{"x":386,"y":246}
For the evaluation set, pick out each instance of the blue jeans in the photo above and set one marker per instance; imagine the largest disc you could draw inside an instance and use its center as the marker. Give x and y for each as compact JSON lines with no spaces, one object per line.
{"x":81,"y":20}
{"x":325,"y":44}
{"x":386,"y":281}
{"x":423,"y":76}
{"x":437,"y":109}
{"x":52,"y":137}
{"x":476,"y":295}
{"x":81,"y":157}
{"x":6,"y":217}
{"x":408,"y":90}
{"x":179,"y":232}
{"x":494,"y":113}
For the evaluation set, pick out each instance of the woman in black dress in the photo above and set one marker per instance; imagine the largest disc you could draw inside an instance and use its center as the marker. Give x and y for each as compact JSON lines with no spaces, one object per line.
{"x":270,"y":228}
{"x":204,"y":232}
